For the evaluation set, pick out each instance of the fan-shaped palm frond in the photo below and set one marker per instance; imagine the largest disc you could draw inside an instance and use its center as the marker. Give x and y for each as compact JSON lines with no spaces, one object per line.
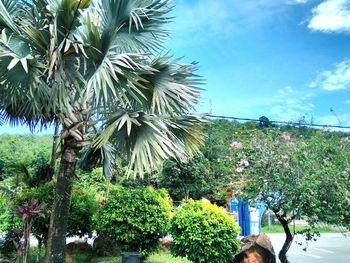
{"x":8,"y":9}
{"x":103,"y":156}
{"x":34,"y":30}
{"x":2,"y":118}
{"x":149,"y":139}
{"x":189,"y":130}
{"x":67,"y":15}
{"x":141,"y":136}
{"x":134,"y":25}
{"x":171,"y":88}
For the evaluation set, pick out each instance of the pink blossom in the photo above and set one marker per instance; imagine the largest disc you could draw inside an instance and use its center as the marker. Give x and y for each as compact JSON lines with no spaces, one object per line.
{"x":236,"y":144}
{"x":286,"y":136}
{"x":285,"y":164}
{"x":305,"y":153}
{"x":244,"y":162}
{"x":239,"y":169}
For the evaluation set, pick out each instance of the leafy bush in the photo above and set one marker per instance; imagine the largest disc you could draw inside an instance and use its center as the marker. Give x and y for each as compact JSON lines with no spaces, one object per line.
{"x":135,"y":219}
{"x":82,"y":209}
{"x":83,"y":206}
{"x":203,"y":233}
{"x":8,"y":222}
{"x":93,"y":179}
{"x":4,"y":213}
{"x":44,"y":194}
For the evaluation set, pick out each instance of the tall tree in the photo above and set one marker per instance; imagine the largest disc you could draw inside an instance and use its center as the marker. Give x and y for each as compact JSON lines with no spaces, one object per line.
{"x":186,"y":180}
{"x":296,"y":176}
{"x":97,"y":69}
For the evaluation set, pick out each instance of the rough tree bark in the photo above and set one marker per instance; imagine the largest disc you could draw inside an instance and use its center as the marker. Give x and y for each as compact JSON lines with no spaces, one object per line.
{"x":282,"y":255}
{"x":56,"y":243}
{"x":56,"y":136}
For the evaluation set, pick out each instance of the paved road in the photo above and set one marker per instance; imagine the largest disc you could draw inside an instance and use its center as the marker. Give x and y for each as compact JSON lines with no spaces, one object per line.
{"x":329,"y":248}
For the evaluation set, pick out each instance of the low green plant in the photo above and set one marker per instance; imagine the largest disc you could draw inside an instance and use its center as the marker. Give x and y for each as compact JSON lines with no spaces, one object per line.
{"x":203,"y":233}
{"x":297,"y":229}
{"x":165,"y":257}
{"x":4,"y":213}
{"x":135,"y":218}
{"x":93,"y":179}
{"x":27,"y":213}
{"x":82,"y":208}
{"x":8,"y":222}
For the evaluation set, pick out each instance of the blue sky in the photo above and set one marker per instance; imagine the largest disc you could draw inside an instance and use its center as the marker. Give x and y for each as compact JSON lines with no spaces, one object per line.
{"x":279,"y":58}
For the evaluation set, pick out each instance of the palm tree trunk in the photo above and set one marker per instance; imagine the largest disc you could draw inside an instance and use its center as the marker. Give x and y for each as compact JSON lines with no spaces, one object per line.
{"x":287,"y":243}
{"x":54,"y":149}
{"x":56,"y":243}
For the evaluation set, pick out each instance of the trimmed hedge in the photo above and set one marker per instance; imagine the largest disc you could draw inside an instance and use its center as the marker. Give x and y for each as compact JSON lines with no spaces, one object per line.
{"x":204,"y":233}
{"x":135,"y":218}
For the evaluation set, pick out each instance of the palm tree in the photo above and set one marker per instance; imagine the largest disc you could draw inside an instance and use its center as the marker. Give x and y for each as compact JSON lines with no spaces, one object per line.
{"x":96,"y":68}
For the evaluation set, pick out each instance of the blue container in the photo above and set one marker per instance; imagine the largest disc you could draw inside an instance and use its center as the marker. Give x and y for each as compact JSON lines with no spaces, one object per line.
{"x":131,"y":257}
{"x":233,"y":205}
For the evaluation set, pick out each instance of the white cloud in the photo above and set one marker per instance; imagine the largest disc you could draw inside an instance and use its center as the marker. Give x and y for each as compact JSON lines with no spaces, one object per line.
{"x":338,"y":79}
{"x":331,"y":16}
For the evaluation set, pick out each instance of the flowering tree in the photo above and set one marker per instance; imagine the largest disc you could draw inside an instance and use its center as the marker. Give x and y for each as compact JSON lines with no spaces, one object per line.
{"x":294,"y":176}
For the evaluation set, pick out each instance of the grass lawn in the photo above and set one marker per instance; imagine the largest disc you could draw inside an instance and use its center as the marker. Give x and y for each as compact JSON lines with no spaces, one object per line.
{"x":161,"y":257}
{"x":279,"y":229}
{"x":164,"y":258}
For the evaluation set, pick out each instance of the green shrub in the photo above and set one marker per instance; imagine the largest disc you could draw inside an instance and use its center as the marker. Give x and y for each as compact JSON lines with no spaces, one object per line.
{"x":8,"y":222}
{"x":82,"y":208}
{"x":203,"y":233}
{"x":135,"y":218}
{"x":5,"y":213}
{"x":44,"y":194}
{"x":93,"y":180}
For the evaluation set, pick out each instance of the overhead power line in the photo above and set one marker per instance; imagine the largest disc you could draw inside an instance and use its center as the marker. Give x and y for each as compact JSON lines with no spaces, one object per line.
{"x":279,"y":122}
